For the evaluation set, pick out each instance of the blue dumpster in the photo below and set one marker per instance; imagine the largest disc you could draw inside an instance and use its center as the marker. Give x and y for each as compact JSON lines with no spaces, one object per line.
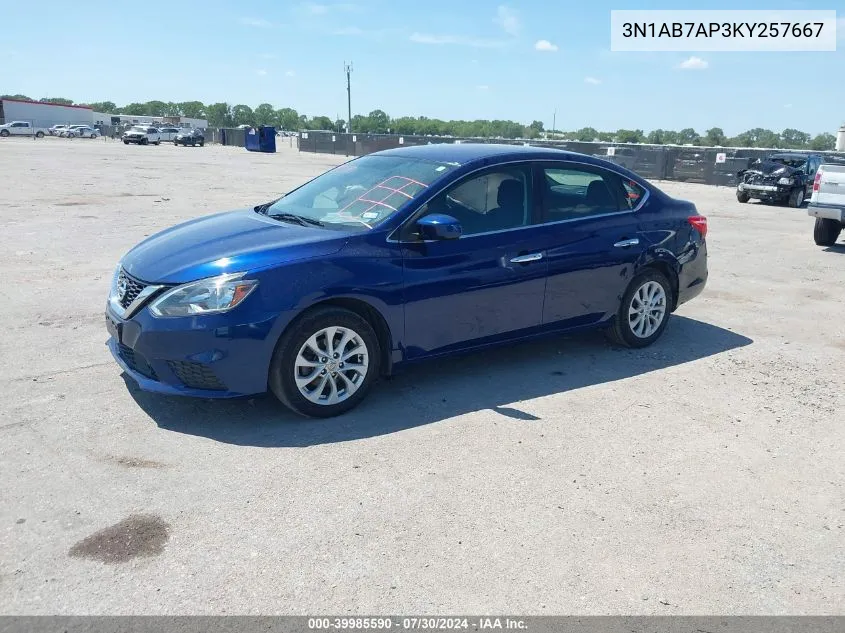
{"x":262,"y":139}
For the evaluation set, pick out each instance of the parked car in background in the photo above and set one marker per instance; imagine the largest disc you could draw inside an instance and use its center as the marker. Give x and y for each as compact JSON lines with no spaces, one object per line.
{"x":190,"y":137}
{"x":56,"y":130}
{"x":400,"y":256}
{"x":827,"y":203}
{"x":141,"y":135}
{"x":167,"y":134}
{"x":21,"y":128}
{"x":784,"y":178}
{"x":81,"y":131}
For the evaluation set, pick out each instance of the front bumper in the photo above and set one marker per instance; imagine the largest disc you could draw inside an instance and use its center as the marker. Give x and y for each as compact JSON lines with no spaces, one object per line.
{"x":765,"y":191}
{"x":215,"y":356}
{"x":828,"y":212}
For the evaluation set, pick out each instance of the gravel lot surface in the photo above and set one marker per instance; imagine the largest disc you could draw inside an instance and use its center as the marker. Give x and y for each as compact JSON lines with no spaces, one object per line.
{"x":702,"y":475}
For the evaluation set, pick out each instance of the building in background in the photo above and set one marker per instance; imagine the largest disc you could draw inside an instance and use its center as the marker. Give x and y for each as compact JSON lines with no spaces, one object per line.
{"x":174,"y":121}
{"x":44,"y":114}
{"x":840,"y":139}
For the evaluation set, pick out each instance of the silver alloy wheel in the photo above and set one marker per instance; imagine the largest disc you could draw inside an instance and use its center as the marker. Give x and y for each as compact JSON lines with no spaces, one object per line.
{"x":331,"y":365}
{"x":647,"y":309}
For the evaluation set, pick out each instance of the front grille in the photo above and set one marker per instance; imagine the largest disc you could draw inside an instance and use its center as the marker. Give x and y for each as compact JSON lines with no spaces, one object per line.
{"x":759,"y":179}
{"x":136,"y":361}
{"x":133,"y":288}
{"x":196,"y":375}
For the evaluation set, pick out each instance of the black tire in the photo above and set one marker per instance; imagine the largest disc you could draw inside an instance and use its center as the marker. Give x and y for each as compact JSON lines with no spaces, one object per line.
{"x":202,"y":143}
{"x":126,"y":142}
{"x":742,"y":197}
{"x":39,"y":135}
{"x":144,"y":141}
{"x":158,"y":142}
{"x":283,"y":369}
{"x":826,"y":231}
{"x":621,"y":331}
{"x":4,"y":133}
{"x":796,"y":197}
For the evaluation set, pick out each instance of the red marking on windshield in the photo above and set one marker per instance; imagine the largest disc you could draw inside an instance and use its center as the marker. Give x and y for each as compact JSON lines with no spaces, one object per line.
{"x":391,"y":191}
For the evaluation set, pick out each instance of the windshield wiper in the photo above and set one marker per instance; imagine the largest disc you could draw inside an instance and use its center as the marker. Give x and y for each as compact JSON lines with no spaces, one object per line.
{"x":262,"y":208}
{"x":296,"y":219}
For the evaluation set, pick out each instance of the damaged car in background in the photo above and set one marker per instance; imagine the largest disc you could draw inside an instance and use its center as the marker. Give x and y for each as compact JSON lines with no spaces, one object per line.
{"x":784,"y":178}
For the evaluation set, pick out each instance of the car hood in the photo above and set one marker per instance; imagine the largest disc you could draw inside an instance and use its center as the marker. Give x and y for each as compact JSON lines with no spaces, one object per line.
{"x":226,"y":242}
{"x":770,"y":168}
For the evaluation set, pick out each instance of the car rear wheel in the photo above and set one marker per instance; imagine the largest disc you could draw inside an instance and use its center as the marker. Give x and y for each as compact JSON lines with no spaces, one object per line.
{"x":325,"y":363}
{"x":826,"y":231}
{"x":39,"y":135}
{"x":644,"y":310}
{"x":4,"y":133}
{"x":742,"y":197}
{"x":796,"y":197}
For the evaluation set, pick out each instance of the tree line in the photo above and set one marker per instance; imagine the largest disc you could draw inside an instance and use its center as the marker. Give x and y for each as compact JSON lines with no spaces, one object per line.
{"x":379,"y":122}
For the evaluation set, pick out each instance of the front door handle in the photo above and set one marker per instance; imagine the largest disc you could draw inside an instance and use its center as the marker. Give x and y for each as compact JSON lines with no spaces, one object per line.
{"x":624,"y":243}
{"x":524,"y":259}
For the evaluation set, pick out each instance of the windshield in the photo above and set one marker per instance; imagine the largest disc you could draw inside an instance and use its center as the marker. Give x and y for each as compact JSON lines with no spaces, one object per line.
{"x":362,"y":192}
{"x":136,"y":128}
{"x":797,"y":163}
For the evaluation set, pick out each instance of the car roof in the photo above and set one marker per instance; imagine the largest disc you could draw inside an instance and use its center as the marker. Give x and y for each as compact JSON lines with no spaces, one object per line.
{"x":464,"y":153}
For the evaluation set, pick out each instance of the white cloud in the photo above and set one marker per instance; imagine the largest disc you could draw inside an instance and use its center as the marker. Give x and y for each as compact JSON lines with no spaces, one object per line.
{"x":787,"y":105}
{"x":261,"y":72}
{"x":290,"y":73}
{"x":545,"y":45}
{"x":427,"y":38}
{"x":693,"y":63}
{"x":256,"y":22}
{"x":508,"y":19}
{"x":483,"y":87}
{"x":268,"y":56}
{"x":315,"y":8}
{"x":592,"y":80}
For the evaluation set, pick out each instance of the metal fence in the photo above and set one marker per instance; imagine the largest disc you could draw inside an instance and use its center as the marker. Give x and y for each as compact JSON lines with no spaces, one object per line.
{"x":708,"y":165}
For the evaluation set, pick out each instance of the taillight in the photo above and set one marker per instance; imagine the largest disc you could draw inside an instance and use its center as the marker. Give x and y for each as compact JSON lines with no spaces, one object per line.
{"x":817,"y":180}
{"x":699,"y":223}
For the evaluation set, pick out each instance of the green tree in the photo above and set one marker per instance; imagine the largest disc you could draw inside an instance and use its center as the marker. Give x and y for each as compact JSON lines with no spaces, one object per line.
{"x":56,"y":100}
{"x":714,"y":136}
{"x":586,"y":134}
{"x":319,"y":123}
{"x":21,"y":97}
{"x":656,"y":137}
{"x":795,"y":139}
{"x":135,"y":109}
{"x":605,"y":137}
{"x":823,"y":142}
{"x":689,"y":136}
{"x":265,"y":114}
{"x":193,"y":109}
{"x":379,"y":122}
{"x":629,"y":136}
{"x":287,"y":119}
{"x":243,"y":115}
{"x":219,"y":115}
{"x":107,"y":107}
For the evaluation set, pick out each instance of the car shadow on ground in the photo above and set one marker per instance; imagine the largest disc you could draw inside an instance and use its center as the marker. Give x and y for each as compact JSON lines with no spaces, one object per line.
{"x":836,"y":248}
{"x":493,"y":379}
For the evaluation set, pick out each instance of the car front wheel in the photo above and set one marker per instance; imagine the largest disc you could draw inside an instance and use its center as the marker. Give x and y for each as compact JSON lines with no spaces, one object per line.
{"x":796,"y":198}
{"x":325,"y":363}
{"x":742,"y":197}
{"x":644,"y":310}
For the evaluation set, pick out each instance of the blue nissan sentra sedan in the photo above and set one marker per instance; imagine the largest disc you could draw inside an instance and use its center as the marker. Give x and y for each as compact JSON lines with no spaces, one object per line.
{"x":403,"y":255}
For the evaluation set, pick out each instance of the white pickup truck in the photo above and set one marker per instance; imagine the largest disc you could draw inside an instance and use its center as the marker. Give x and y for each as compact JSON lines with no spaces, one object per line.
{"x":21,"y":128}
{"x":827,"y":204}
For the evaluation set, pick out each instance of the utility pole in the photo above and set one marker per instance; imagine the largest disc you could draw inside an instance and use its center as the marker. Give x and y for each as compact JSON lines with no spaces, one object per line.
{"x":348,"y":69}
{"x":554,"y":121}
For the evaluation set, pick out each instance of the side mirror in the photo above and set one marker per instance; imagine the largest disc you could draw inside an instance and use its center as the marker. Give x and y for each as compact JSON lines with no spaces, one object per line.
{"x":438,"y":226}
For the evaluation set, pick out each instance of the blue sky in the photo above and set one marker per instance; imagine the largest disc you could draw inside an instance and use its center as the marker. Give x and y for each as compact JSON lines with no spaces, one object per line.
{"x":439,"y":58}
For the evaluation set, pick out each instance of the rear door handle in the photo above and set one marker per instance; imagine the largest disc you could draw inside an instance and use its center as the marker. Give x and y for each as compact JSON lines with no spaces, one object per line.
{"x":632,"y":242}
{"x":524,"y":259}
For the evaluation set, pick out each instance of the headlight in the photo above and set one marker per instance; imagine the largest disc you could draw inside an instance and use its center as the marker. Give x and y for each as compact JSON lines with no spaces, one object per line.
{"x":785,"y":181}
{"x":206,"y":296}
